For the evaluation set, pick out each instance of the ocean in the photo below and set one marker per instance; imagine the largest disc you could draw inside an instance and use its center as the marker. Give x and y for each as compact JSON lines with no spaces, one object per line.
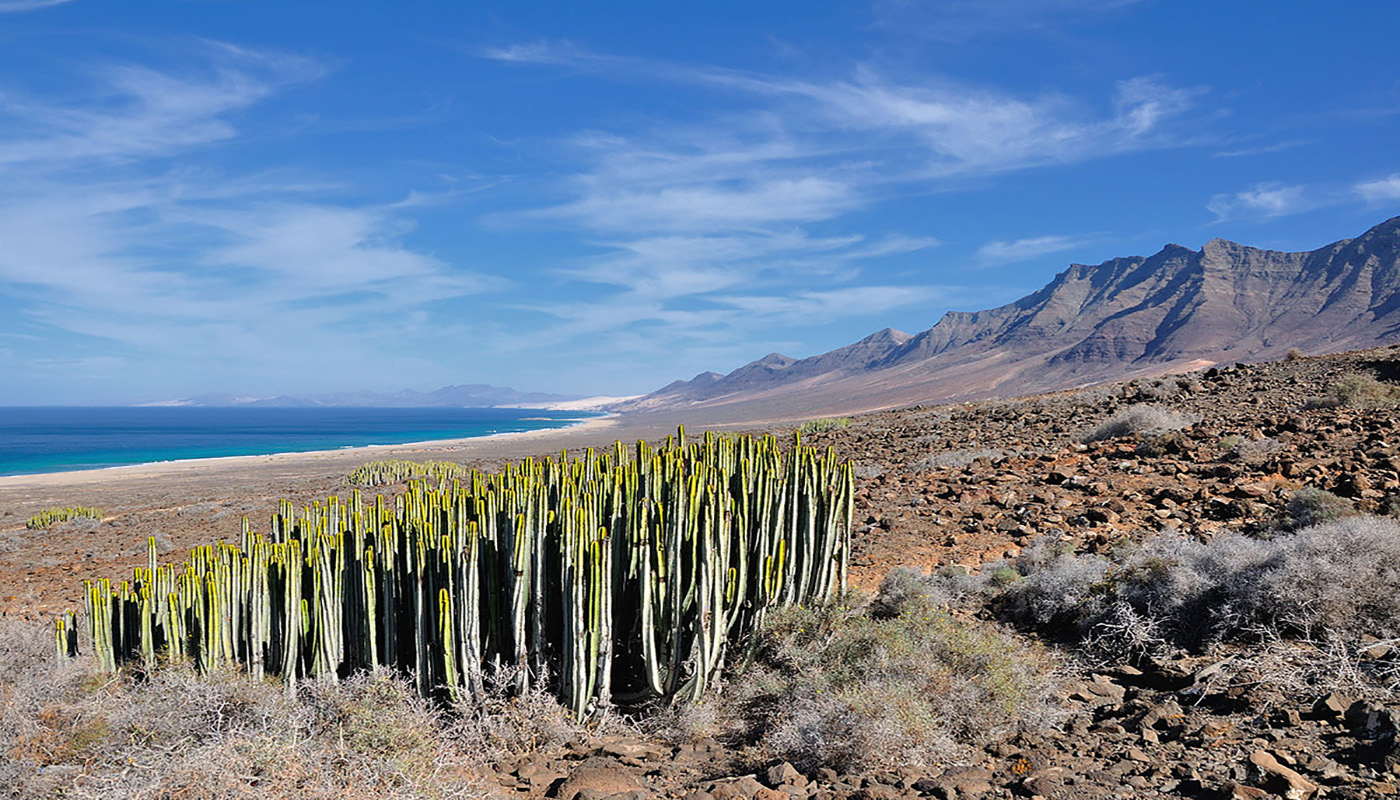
{"x":34,"y":439}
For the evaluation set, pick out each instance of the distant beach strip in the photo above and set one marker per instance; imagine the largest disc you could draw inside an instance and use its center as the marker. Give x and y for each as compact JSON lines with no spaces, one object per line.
{"x":39,"y":439}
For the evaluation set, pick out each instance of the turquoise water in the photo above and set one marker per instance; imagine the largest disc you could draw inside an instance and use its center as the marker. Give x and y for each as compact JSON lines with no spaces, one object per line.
{"x":36,"y":439}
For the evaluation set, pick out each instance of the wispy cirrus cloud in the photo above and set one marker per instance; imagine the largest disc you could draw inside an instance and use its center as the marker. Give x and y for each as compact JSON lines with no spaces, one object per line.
{"x":135,"y":112}
{"x":16,"y":6}
{"x":958,"y":20}
{"x":255,"y":275}
{"x":1262,"y":149}
{"x":804,"y":305}
{"x":1261,"y":200}
{"x":708,"y":222}
{"x":1384,"y":190}
{"x":952,"y":127}
{"x":1006,"y":252}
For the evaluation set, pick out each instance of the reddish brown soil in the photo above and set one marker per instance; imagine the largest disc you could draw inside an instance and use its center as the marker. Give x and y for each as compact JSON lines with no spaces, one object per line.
{"x":1011,"y":471}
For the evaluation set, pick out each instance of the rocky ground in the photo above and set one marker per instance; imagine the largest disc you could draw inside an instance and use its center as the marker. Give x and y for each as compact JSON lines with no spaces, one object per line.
{"x":974,"y":484}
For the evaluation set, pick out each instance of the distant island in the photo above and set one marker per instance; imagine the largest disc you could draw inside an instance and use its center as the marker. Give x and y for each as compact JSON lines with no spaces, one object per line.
{"x":472,"y":395}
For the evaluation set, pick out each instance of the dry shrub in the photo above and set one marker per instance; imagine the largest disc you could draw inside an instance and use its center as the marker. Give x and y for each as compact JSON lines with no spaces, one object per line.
{"x":1358,"y":390}
{"x":954,"y":459}
{"x":1141,"y":419}
{"x":905,"y":588}
{"x":505,"y":724}
{"x":1311,"y":506}
{"x":1340,"y":579}
{"x":67,"y":730}
{"x":712,"y":717}
{"x":854,"y":691}
{"x":1253,"y":451}
{"x":867,"y":471}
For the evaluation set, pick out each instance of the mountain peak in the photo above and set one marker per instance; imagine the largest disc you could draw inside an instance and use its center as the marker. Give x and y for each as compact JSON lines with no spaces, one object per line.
{"x":1126,"y":316}
{"x":886,"y":336}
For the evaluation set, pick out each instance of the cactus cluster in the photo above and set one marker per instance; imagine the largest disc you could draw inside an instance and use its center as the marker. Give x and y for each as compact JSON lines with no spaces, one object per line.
{"x":621,"y":576}
{"x":52,"y":516}
{"x":390,"y":471}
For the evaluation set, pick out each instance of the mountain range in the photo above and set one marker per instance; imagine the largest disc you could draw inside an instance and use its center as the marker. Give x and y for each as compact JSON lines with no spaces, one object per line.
{"x":1174,"y":311}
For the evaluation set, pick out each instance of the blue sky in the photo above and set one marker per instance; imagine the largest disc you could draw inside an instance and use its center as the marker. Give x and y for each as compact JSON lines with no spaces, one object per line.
{"x":592,"y":198}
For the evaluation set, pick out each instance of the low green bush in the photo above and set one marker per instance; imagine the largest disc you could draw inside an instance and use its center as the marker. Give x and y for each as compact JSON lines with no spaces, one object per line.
{"x":53,"y":516}
{"x":824,"y":424}
{"x":1311,"y":506}
{"x":390,"y":471}
{"x":1358,"y":390}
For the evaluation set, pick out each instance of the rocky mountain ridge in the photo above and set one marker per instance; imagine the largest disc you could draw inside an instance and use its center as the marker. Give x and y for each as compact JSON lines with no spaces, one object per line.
{"x":1176,"y":310}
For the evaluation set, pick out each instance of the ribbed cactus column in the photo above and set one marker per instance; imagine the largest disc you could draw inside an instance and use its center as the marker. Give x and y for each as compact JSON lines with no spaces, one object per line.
{"x":627,"y":567}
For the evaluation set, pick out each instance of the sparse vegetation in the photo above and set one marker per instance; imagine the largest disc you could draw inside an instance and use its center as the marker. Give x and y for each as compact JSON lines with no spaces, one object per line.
{"x":1253,"y":451}
{"x":1141,"y":419}
{"x":390,"y":471}
{"x":67,"y":730}
{"x":897,"y":684}
{"x":1293,"y":354}
{"x":954,"y":459}
{"x":53,"y":516}
{"x":824,"y":424}
{"x":1335,"y":579}
{"x":1311,"y":506}
{"x":868,"y":471}
{"x":1358,"y":390}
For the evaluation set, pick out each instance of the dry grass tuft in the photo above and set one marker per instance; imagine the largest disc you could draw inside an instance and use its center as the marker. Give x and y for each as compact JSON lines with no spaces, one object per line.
{"x":855,"y":690}
{"x":1338,"y":580}
{"x":66,"y":730}
{"x":1358,"y":390}
{"x":1141,"y":419}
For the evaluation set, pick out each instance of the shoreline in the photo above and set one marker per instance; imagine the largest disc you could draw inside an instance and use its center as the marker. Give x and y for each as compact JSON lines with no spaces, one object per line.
{"x":193,"y":502}
{"x":156,"y":469}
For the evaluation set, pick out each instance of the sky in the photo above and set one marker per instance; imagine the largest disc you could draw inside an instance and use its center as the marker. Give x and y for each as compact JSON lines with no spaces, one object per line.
{"x":599,"y":198}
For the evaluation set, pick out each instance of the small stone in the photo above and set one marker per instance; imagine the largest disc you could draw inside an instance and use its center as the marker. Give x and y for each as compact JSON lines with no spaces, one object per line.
{"x":1332,"y":708}
{"x":784,"y":773}
{"x":1282,"y":779}
{"x":1238,"y":791}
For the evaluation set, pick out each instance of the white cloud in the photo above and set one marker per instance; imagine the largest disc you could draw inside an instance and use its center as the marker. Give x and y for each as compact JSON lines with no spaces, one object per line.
{"x":1380,"y":191}
{"x":13,"y":6}
{"x":964,"y":130}
{"x":258,"y":277}
{"x":708,"y":205}
{"x":829,"y":144}
{"x":803,"y":306}
{"x":1263,"y":149}
{"x":136,"y":112}
{"x":955,"y":20}
{"x":708,"y":223}
{"x":1261,"y":200}
{"x":1003,"y":252}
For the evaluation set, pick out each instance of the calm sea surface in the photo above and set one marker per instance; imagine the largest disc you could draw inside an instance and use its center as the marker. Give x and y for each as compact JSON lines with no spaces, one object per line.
{"x":57,"y":439}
